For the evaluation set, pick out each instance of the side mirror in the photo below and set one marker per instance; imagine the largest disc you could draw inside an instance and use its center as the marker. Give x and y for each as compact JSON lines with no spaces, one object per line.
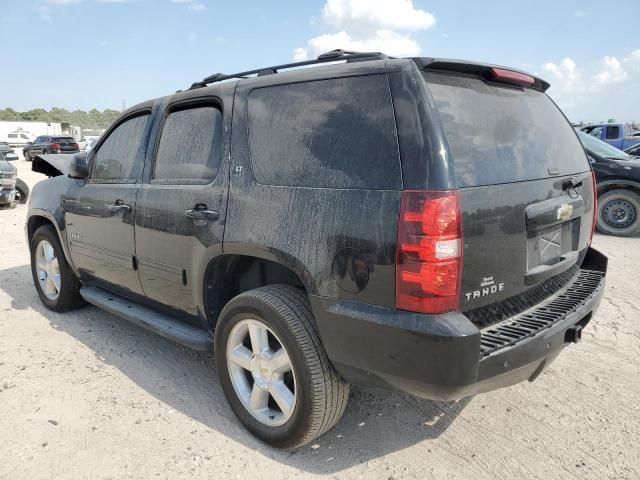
{"x":79,"y":168}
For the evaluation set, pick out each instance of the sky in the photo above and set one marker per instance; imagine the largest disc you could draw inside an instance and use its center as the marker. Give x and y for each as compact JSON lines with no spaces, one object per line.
{"x":81,"y":54}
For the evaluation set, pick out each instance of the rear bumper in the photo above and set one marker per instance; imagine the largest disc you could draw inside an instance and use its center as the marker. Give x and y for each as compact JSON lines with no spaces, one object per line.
{"x":446,"y":357}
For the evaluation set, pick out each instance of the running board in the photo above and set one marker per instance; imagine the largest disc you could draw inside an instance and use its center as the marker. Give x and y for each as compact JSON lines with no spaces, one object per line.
{"x":164,"y":325}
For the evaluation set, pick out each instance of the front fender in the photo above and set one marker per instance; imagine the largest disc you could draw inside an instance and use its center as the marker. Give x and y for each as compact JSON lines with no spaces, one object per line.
{"x":46,"y":202}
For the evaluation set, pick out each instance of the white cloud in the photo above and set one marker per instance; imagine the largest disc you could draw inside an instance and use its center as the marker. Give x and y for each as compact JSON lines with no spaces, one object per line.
{"x":611,"y":72}
{"x":633,"y":59}
{"x":386,"y":41}
{"x":193,"y":5}
{"x":589,"y":90}
{"x":376,"y":14}
{"x":564,"y":77}
{"x":44,"y":12}
{"x":368,"y":25}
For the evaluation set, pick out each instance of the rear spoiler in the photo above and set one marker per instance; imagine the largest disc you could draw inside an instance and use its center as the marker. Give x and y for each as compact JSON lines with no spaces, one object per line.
{"x":52,"y":165}
{"x":479,"y":69}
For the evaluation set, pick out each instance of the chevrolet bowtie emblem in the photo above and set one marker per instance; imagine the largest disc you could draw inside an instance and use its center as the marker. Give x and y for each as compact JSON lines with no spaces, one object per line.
{"x":565,"y":211}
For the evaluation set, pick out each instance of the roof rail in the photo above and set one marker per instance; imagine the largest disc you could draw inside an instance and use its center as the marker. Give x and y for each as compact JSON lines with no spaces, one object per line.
{"x":332,"y":56}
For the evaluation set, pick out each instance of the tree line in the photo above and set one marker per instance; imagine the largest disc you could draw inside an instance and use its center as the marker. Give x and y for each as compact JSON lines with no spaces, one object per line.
{"x":93,"y":119}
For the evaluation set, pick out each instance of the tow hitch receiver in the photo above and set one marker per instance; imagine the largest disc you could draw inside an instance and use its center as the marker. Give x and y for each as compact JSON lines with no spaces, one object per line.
{"x":573,"y":334}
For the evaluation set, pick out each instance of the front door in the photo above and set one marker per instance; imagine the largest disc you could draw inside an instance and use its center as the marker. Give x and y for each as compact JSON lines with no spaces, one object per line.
{"x":100,"y":214}
{"x":181,"y":208}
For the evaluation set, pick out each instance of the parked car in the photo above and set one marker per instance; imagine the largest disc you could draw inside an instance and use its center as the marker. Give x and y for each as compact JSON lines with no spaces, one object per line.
{"x":19,"y":138}
{"x":618,"y":184}
{"x":634,"y":151}
{"x":8,"y":175}
{"x":8,"y":152}
{"x":381,"y":221}
{"x":619,"y":135}
{"x":50,"y":144}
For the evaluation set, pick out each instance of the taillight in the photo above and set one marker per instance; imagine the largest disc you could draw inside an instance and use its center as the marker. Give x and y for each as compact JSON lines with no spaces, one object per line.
{"x":511,"y":77}
{"x":75,"y":146}
{"x":55,"y":146}
{"x":595,"y":205}
{"x":429,"y":252}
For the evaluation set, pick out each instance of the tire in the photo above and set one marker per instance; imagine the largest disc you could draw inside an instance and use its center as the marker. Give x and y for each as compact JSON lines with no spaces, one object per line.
{"x":619,"y":213}
{"x":320,"y":396}
{"x":68,"y":296}
{"x":27,"y":156}
{"x":23,"y":190}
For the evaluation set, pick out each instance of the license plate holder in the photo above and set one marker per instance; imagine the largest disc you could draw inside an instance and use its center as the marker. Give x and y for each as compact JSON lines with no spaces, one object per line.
{"x":549,"y":245}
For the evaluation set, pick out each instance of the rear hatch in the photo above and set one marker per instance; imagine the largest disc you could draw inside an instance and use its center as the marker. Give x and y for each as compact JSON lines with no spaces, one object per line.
{"x":526,"y":192}
{"x":67,"y":144}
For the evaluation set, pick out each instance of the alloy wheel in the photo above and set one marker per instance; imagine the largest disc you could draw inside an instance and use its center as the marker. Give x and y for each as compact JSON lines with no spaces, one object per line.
{"x":261,"y":372}
{"x":48,"y":270}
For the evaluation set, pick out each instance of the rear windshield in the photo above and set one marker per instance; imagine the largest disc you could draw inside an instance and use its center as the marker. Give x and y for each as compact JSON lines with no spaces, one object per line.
{"x":501,"y":134}
{"x":62,"y":139}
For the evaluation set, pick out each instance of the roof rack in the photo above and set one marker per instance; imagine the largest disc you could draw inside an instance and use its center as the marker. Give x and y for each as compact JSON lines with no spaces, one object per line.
{"x":332,"y":56}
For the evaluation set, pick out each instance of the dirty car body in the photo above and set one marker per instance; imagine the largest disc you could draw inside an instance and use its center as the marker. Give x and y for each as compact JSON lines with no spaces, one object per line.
{"x":442,"y":254}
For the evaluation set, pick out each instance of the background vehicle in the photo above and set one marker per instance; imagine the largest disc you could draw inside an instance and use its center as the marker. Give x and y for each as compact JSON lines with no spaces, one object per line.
{"x":371,"y":222}
{"x":618,"y":184}
{"x":634,"y":151}
{"x":47,"y":144}
{"x":8,"y":175}
{"x":19,"y":138}
{"x":619,"y":135}
{"x":8,"y":152}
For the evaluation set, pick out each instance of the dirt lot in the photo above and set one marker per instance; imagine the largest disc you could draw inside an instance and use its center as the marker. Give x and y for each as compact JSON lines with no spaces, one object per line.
{"x":85,"y":395}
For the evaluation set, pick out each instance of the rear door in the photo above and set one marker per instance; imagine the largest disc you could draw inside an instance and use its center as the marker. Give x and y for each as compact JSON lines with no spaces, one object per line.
{"x":526,"y":192}
{"x":181,"y":209}
{"x":100,"y":214}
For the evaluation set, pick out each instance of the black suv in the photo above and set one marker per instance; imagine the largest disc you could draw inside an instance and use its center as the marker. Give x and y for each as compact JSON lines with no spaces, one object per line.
{"x":378,"y":221}
{"x":46,"y":144}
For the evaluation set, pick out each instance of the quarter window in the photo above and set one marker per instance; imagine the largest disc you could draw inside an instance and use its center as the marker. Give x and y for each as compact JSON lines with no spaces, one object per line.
{"x":337,"y":133}
{"x":190,"y":149}
{"x":613,"y":132}
{"x":120,"y":157}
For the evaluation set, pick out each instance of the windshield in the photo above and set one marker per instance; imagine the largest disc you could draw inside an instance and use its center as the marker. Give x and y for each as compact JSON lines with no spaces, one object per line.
{"x":601,"y":148}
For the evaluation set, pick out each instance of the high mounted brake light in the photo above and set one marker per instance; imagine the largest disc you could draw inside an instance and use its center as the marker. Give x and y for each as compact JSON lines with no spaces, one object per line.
{"x":509,"y":76}
{"x":429,"y":252}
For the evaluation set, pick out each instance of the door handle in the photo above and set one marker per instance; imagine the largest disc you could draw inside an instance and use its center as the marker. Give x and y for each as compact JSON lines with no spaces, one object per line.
{"x":119,"y":207}
{"x":202,"y":213}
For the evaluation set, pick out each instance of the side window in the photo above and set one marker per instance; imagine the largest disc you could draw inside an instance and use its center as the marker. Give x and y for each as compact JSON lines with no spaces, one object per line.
{"x":613,"y":132}
{"x":37,"y":140}
{"x":337,"y":133}
{"x":190,"y":149}
{"x":120,"y":157}
{"x":596,"y":132}
{"x":12,"y":135}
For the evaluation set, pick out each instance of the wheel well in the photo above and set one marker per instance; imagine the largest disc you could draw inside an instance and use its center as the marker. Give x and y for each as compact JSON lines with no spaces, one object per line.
{"x":229,"y":275}
{"x":619,"y":186}
{"x":34,"y":223}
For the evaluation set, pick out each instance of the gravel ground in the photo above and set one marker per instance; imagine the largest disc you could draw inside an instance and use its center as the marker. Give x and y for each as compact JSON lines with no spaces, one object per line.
{"x":85,"y":395}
